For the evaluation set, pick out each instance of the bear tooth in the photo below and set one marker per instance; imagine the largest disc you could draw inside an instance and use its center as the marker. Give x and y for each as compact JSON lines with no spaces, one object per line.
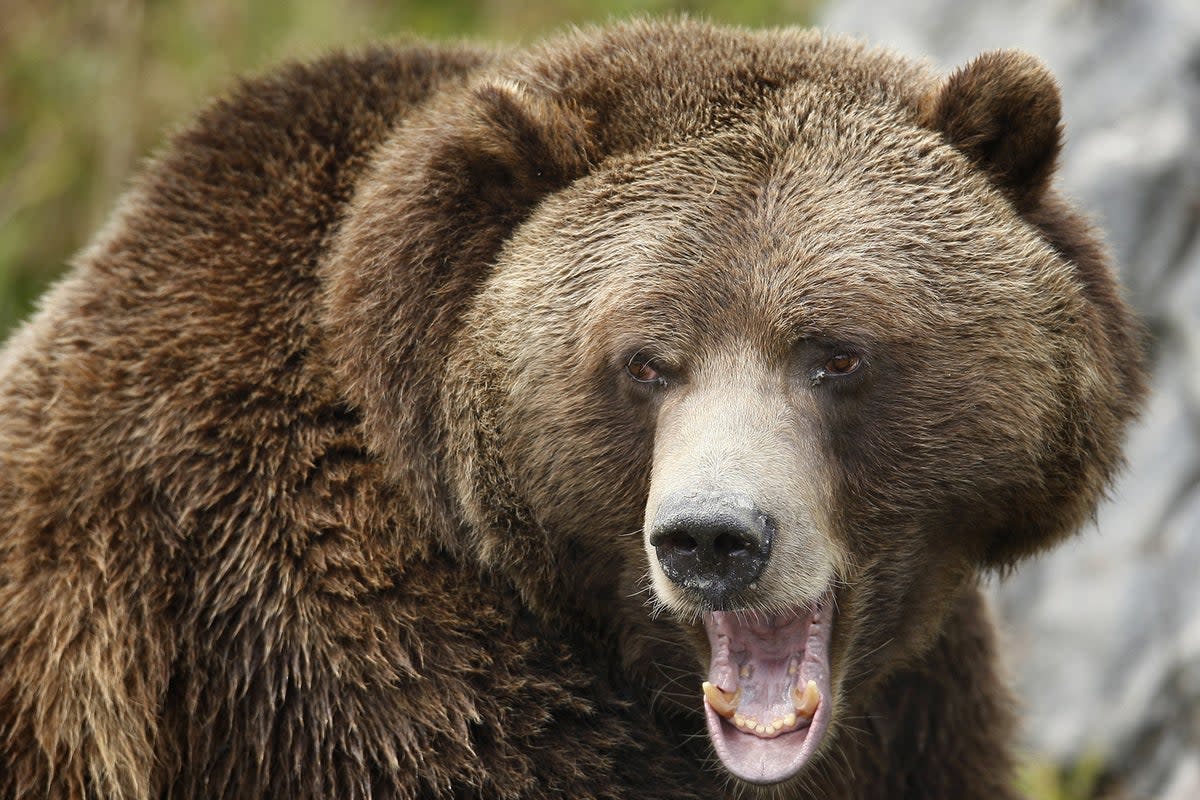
{"x":806,"y":703}
{"x":790,"y":720}
{"x":723,"y":703}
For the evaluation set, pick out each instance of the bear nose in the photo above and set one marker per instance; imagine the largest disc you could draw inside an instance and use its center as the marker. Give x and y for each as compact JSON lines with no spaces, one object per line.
{"x":712,"y":545}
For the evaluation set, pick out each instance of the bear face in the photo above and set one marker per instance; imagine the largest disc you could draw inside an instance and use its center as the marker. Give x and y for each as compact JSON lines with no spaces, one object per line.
{"x":793,"y":357}
{"x":823,"y":345}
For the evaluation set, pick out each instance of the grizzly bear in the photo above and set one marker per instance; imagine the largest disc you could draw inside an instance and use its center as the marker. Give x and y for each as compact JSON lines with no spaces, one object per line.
{"x":632,"y":415}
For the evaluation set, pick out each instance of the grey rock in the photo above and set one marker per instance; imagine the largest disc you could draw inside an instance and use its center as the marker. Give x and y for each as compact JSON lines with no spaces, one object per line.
{"x":1103,"y":635}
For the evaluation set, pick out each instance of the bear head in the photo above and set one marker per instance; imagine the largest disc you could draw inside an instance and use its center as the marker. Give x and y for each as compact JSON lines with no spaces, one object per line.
{"x":780,"y":337}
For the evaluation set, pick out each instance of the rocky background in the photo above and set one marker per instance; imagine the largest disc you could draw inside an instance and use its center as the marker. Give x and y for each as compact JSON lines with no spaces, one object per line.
{"x":1103,"y":635}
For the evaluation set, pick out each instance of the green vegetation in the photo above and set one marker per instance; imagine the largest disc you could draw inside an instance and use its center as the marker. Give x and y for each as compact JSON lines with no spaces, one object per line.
{"x":87,"y":90}
{"x":1083,"y":780}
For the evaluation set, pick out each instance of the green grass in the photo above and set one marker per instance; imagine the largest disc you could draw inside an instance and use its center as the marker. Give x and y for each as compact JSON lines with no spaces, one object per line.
{"x":87,"y":90}
{"x":1045,"y":780}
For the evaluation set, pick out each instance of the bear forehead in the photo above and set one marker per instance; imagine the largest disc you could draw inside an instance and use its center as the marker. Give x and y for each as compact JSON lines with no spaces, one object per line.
{"x":832,"y":223}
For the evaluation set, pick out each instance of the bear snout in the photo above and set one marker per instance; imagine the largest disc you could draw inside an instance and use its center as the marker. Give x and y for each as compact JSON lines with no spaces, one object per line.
{"x":714,"y":545}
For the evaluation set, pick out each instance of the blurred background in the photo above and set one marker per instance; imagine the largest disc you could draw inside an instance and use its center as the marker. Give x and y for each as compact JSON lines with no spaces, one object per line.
{"x":1102,"y":636}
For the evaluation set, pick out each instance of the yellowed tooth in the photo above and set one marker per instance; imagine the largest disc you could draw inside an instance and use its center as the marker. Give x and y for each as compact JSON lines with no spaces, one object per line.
{"x":739,"y":720}
{"x":722,"y":702}
{"x":789,"y":720}
{"x":744,"y":672}
{"x":806,"y":703}
{"x":770,"y":729}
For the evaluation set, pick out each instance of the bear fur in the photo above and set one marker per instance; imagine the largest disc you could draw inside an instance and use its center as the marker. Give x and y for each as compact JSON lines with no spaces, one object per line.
{"x":322,"y":474}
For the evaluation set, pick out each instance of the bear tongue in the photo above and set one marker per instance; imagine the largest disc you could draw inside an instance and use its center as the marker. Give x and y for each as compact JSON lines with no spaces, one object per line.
{"x":767,"y":698}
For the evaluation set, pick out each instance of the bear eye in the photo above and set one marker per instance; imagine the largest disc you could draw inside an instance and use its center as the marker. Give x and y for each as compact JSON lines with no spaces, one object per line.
{"x":838,"y":365}
{"x":643,"y":370}
{"x":842,"y":364}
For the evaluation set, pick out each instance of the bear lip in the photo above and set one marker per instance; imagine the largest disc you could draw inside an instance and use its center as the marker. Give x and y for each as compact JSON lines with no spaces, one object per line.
{"x":765,"y":658}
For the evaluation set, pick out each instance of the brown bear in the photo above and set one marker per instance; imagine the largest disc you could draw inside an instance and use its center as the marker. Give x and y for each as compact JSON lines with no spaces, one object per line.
{"x":627,"y":416}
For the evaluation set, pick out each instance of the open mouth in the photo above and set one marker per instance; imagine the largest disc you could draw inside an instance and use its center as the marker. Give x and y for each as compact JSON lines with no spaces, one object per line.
{"x":767,"y":698}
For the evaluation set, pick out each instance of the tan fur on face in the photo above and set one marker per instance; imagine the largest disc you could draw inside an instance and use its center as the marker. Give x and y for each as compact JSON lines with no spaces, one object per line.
{"x":733,"y":431}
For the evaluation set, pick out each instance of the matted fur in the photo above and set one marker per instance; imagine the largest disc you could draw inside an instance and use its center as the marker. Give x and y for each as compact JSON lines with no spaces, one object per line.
{"x":318,"y":477}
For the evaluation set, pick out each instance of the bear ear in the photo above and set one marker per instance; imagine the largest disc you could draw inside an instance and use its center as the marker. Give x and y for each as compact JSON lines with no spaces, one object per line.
{"x":510,"y":148}
{"x":1003,"y":111}
{"x":432,"y":211}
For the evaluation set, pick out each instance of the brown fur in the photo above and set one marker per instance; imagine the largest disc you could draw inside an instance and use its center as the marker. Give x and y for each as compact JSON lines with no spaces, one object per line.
{"x":319,"y":479}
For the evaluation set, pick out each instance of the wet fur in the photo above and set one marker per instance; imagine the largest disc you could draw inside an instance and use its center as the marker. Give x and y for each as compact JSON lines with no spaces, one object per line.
{"x":298,"y":501}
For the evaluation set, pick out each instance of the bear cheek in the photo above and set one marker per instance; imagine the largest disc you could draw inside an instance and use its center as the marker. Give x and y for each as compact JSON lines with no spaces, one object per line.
{"x":580,"y":463}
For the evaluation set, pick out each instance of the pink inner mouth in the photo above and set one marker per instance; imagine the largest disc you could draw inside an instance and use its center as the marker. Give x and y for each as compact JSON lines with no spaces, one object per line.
{"x":766,"y":662}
